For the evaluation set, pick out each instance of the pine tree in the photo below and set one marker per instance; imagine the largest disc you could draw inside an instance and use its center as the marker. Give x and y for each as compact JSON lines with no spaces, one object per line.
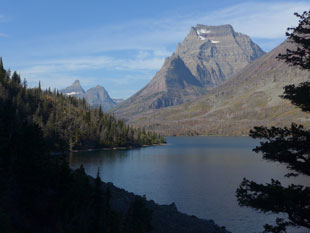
{"x":1,"y":65}
{"x":290,"y":146}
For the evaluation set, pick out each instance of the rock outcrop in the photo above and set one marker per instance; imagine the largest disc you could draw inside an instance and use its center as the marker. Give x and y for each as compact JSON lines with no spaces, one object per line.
{"x":165,"y":218}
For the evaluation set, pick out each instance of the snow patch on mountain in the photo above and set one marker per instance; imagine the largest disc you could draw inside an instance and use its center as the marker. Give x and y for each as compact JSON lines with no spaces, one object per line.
{"x":203,"y":31}
{"x":72,"y":93}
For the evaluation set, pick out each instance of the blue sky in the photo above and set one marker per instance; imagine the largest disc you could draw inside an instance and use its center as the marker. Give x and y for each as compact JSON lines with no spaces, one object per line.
{"x":121,"y":44}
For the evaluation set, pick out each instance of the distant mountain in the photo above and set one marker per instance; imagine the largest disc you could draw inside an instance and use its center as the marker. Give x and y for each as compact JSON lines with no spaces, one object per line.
{"x":74,"y":90}
{"x":207,"y":57}
{"x":96,"y":96}
{"x":250,"y":98}
{"x":118,"y":101}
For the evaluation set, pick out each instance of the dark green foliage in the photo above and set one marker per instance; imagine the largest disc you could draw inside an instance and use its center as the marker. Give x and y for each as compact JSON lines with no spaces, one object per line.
{"x":298,"y":95}
{"x":290,"y":146}
{"x":285,"y":145}
{"x":39,"y":192}
{"x":293,"y":200}
{"x":299,"y":36}
{"x":138,"y":217}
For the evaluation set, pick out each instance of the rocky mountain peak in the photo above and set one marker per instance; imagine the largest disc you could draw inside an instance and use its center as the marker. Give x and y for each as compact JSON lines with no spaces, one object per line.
{"x":75,"y":89}
{"x":215,"y":53}
{"x":96,"y":96}
{"x":76,"y":84}
{"x":208,"y":56}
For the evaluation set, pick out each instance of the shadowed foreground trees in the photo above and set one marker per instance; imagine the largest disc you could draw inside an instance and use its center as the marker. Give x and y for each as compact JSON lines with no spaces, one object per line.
{"x":290,"y":146}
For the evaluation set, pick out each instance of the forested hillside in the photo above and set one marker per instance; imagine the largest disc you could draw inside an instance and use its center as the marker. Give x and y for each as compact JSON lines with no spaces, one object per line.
{"x":67,"y":123}
{"x":39,"y":192}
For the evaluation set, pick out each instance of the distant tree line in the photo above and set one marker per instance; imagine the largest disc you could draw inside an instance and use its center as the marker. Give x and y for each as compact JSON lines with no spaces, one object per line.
{"x":39,"y":192}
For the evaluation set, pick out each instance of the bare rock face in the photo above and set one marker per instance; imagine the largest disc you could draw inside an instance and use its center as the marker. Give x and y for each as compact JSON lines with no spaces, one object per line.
{"x":208,"y":56}
{"x":173,"y":84}
{"x":216,"y":53}
{"x":98,"y":96}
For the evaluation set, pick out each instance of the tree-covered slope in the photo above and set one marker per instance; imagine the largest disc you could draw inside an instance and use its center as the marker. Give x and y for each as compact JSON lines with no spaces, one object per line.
{"x":67,"y":123}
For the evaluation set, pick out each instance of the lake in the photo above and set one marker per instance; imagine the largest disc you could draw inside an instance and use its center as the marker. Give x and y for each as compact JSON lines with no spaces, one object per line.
{"x":199,"y":174}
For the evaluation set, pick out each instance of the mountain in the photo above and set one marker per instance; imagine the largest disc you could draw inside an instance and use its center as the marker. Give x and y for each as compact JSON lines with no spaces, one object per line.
{"x":208,"y":56}
{"x":250,"y":98}
{"x":215,"y":53}
{"x":74,"y":90}
{"x":118,"y":101}
{"x":96,"y":96}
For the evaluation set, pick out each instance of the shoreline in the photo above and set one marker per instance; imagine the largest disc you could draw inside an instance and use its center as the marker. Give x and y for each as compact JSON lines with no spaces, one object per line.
{"x":165,"y":218}
{"x":115,"y":148}
{"x":104,"y":148}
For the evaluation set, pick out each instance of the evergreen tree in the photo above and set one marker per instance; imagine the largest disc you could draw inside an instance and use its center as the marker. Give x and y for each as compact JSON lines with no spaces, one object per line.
{"x":1,"y":65}
{"x":138,"y":217}
{"x":289,"y":145}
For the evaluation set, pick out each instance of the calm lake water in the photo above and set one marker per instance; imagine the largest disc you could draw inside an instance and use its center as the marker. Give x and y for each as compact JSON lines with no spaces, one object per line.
{"x":199,"y":174}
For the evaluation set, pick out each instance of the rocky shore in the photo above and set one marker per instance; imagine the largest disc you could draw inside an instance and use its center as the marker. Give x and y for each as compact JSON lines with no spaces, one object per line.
{"x":165,"y":218}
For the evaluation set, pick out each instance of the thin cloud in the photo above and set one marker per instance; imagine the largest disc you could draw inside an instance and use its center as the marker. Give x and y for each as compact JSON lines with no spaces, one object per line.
{"x":259,"y":20}
{"x":263,"y":20}
{"x":143,"y":61}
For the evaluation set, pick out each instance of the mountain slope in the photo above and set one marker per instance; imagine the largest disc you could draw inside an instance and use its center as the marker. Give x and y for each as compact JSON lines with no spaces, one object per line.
{"x":95,"y":97}
{"x":172,"y":85}
{"x":248,"y":99}
{"x":208,"y":56}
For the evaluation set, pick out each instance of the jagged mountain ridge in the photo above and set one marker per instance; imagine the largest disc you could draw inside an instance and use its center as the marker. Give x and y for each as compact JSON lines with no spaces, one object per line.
{"x":251,"y":98}
{"x":208,"y":56}
{"x":95,"y":97}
